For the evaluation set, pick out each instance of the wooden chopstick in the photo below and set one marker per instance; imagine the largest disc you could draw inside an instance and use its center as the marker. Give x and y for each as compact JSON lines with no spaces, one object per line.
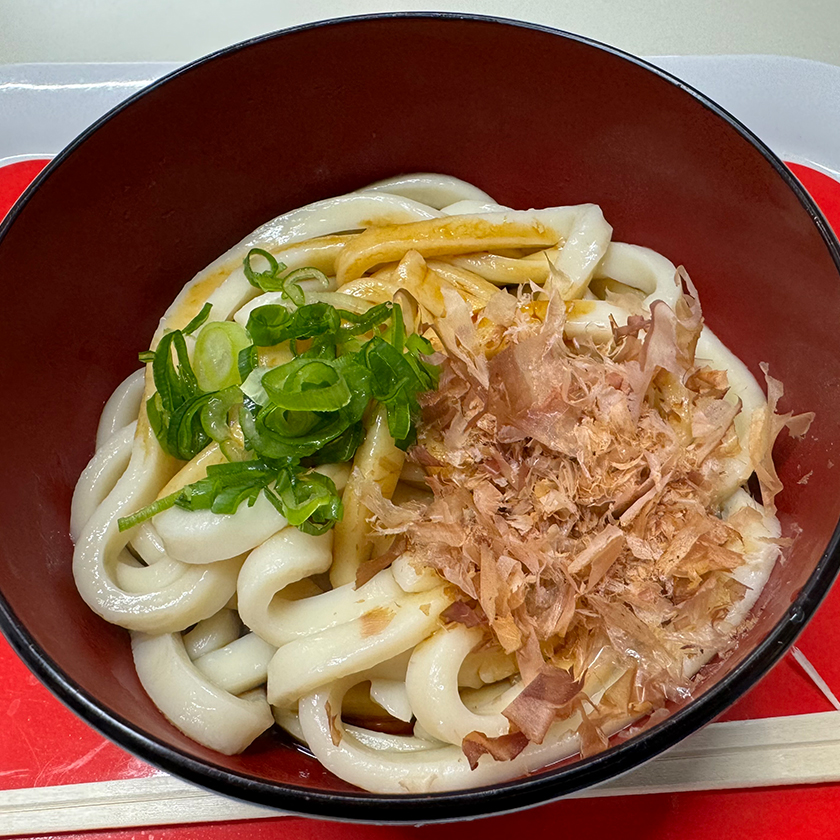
{"x":801,"y":749}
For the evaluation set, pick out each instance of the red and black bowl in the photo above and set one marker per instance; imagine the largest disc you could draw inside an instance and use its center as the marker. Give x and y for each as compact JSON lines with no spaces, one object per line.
{"x":104,"y":239}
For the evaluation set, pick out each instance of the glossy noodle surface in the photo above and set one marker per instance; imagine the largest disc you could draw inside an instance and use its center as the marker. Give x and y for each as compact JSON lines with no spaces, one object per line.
{"x":541,"y":540}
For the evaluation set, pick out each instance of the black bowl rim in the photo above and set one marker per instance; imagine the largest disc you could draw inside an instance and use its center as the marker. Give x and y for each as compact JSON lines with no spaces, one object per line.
{"x":505,"y":797}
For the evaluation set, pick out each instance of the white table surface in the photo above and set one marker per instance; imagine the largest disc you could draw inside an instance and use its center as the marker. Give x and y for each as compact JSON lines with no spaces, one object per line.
{"x":181,"y":30}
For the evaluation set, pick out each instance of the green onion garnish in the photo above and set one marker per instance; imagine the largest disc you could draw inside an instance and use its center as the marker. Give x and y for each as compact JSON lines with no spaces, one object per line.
{"x":309,"y":411}
{"x":199,"y":319}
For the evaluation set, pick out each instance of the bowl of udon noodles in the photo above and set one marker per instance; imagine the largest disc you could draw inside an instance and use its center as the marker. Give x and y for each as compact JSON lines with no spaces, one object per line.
{"x":436,"y":417}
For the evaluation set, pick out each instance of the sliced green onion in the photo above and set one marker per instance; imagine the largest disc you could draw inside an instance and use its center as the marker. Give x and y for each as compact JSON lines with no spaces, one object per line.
{"x":165,"y":373}
{"x":266,"y":281}
{"x":266,"y":324}
{"x":309,"y":273}
{"x":417,"y":345}
{"x":199,"y":319}
{"x":307,"y":497}
{"x":343,"y":448}
{"x":126,"y":522}
{"x":247,"y":361}
{"x":291,"y":424}
{"x":307,"y":385}
{"x":252,"y":386}
{"x":273,"y":323}
{"x":216,"y":355}
{"x":185,"y":436}
{"x":294,"y":278}
{"x":271,"y":281}
{"x":371,"y":319}
{"x":214,"y":413}
{"x":395,"y":334}
{"x":304,"y":412}
{"x":390,"y":368}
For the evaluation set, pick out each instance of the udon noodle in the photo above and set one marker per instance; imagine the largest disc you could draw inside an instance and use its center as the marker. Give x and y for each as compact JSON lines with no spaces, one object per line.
{"x":558,"y":544}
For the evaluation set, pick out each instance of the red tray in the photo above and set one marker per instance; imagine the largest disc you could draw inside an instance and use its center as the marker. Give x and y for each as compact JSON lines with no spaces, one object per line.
{"x":44,"y":744}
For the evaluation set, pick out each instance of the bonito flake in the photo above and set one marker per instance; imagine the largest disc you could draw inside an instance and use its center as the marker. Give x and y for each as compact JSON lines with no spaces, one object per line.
{"x":575,"y":502}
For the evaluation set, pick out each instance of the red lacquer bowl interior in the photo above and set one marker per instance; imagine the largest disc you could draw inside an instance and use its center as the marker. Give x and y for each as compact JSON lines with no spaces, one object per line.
{"x":113,"y":229}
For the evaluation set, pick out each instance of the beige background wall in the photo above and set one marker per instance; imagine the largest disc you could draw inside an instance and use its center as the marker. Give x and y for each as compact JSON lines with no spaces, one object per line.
{"x":180,"y":30}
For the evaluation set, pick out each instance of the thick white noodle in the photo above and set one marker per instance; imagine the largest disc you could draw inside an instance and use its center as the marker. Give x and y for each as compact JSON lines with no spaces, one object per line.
{"x":135,"y":578}
{"x":202,"y":536}
{"x":714,"y":353}
{"x":411,"y":579}
{"x":390,"y":669}
{"x":99,"y":477}
{"x":586,"y":244}
{"x":432,"y":685}
{"x":492,"y":698}
{"x":337,"y":299}
{"x":583,"y":228}
{"x":154,"y":570}
{"x":392,"y":695}
{"x":212,"y":633}
{"x":637,"y":267}
{"x":430,"y":188}
{"x":280,"y":620}
{"x":238,"y":666}
{"x":196,"y":569}
{"x":384,"y":741}
{"x":420,"y":770}
{"x":122,"y":407}
{"x":353,"y":646}
{"x":469,"y":207}
{"x":642,"y":269}
{"x":486,"y":666}
{"x":197,"y":593}
{"x":760,"y":551}
{"x":146,"y":543}
{"x":290,"y":721}
{"x":743,"y":386}
{"x":199,"y":708}
{"x":353,"y":211}
{"x":285,"y":558}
